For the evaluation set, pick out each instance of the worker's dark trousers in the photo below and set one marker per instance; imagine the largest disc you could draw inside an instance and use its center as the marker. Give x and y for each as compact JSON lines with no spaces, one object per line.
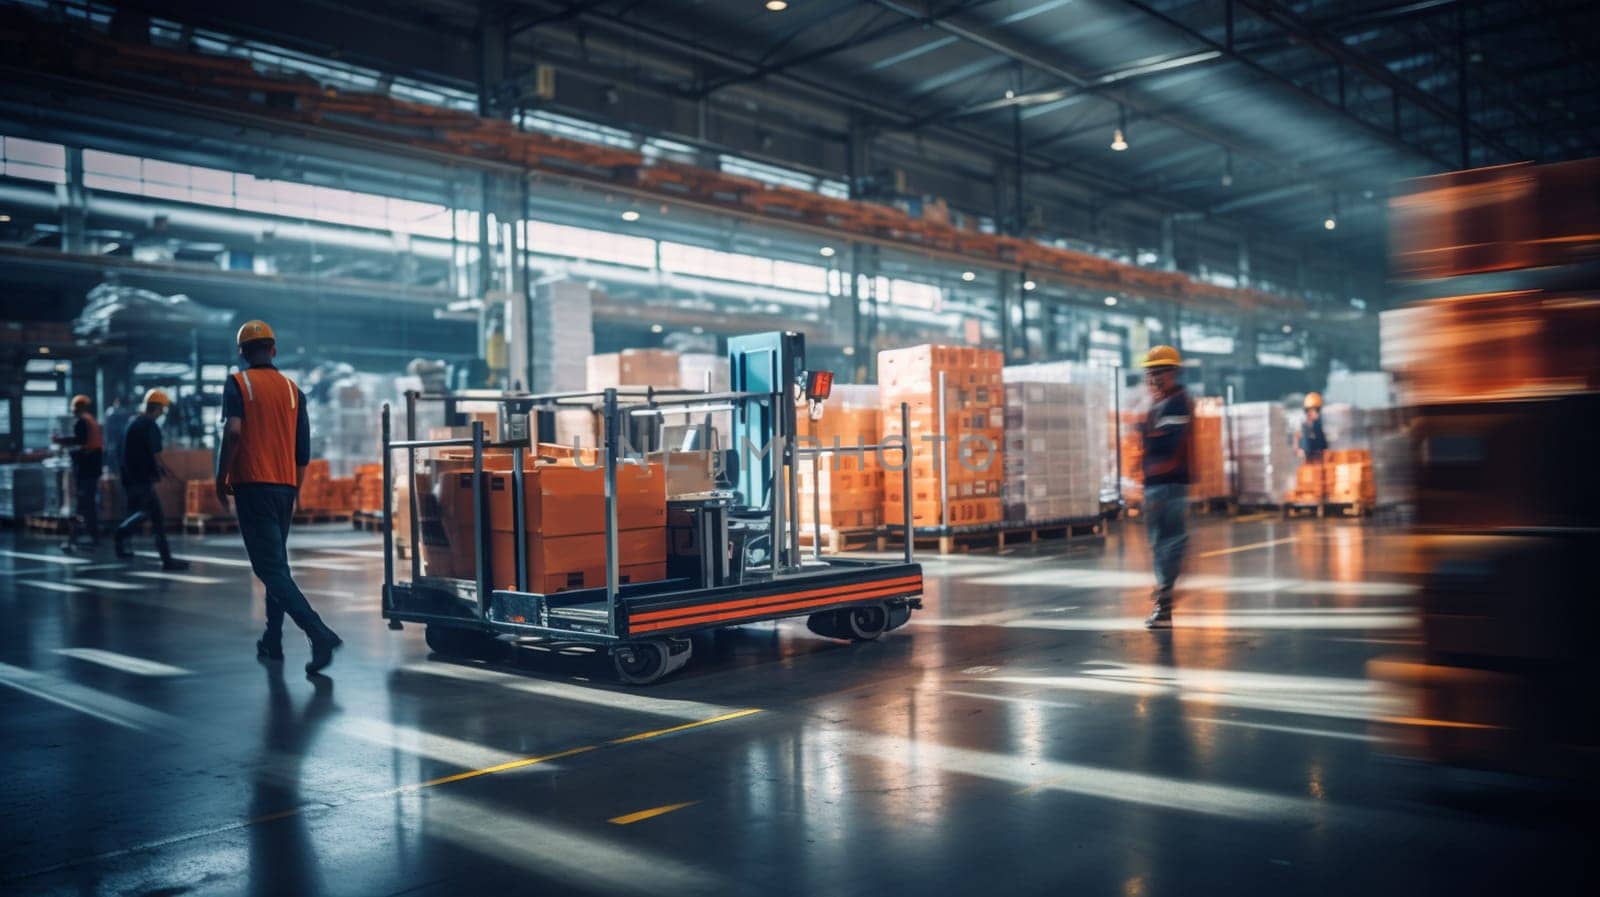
{"x":1165,"y":508}
{"x":265,"y":512}
{"x":87,"y":507}
{"x":144,"y":504}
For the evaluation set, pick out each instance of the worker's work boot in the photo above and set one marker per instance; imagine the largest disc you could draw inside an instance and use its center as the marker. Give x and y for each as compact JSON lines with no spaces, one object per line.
{"x":174,"y":564}
{"x":269,"y":648}
{"x":322,"y":651}
{"x":122,"y":549}
{"x":1160,"y":618}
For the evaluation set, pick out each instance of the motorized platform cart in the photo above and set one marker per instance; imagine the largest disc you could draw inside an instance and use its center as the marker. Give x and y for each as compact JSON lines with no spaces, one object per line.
{"x":746,"y":566}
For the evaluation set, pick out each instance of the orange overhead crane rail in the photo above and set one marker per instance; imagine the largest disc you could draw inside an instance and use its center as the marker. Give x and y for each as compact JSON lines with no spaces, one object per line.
{"x":232,"y":84}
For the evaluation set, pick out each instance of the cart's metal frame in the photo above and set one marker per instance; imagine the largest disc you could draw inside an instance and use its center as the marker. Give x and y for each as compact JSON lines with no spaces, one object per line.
{"x":620,"y":616}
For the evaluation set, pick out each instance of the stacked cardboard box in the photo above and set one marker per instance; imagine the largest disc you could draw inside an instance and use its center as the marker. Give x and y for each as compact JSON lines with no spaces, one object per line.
{"x":200,"y":499}
{"x":322,"y":493}
{"x":185,"y":465}
{"x":1263,"y":458}
{"x":970,"y":454}
{"x":1208,"y":476}
{"x":563,"y":518}
{"x":561,"y":318}
{"x":1099,"y":434}
{"x":847,"y":486}
{"x":369,"y":488}
{"x":634,"y":367}
{"x":1050,"y":472}
{"x":1342,"y":477}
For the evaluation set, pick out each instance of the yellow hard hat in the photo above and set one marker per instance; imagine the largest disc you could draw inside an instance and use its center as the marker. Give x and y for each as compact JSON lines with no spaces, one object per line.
{"x":1313,"y":400}
{"x":157,"y":397}
{"x":1162,"y":357}
{"x":254,"y":330}
{"x":81,"y":402}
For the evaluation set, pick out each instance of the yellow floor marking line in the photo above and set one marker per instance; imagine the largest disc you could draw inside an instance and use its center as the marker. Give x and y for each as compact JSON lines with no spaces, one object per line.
{"x":694,"y":725}
{"x":1434,"y":723}
{"x":653,"y":812}
{"x":1250,"y":547}
{"x":389,"y":792}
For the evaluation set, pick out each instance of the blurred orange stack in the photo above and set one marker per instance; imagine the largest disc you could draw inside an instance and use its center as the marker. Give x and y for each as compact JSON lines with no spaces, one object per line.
{"x":369,"y":488}
{"x":1131,"y":447}
{"x":848,"y":486}
{"x":1206,"y":472}
{"x":200,"y":499}
{"x":973,"y":429}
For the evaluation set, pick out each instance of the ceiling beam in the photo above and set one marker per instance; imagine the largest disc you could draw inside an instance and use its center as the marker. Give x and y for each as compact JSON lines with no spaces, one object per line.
{"x":1290,"y":22}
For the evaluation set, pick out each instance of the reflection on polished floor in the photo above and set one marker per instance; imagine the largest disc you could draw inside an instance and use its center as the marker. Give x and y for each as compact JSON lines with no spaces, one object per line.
{"x":1023,"y":735}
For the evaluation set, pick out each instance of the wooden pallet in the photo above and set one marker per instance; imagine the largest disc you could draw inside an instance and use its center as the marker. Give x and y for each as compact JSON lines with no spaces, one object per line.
{"x":1067,"y":530}
{"x":48,"y":523}
{"x":1213,"y":506}
{"x":836,"y":540}
{"x":1328,"y":509}
{"x":304,"y":517}
{"x":207,"y":524}
{"x":949,"y":541}
{"x":368,"y":521}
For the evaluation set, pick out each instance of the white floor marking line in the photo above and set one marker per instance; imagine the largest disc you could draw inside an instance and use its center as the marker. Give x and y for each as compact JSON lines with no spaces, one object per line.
{"x":1291,"y":730}
{"x":1091,"y":781}
{"x":584,"y":861}
{"x":107,"y":584}
{"x":439,"y":748}
{"x":60,"y":559}
{"x":1252,"y":547}
{"x":179,"y":577}
{"x":353,"y":552}
{"x":67,"y":587}
{"x":562,"y":691}
{"x":87,"y":701}
{"x":243,"y":564}
{"x":201,"y":559}
{"x":136,"y":665}
{"x":1012,"y":699}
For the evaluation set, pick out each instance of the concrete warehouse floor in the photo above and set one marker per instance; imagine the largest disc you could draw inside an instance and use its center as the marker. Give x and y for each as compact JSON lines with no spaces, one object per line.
{"x":1022,"y":735}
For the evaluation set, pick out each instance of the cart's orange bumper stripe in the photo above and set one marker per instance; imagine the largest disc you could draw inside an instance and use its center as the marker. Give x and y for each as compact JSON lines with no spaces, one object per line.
{"x":801,"y":604}
{"x":913,"y":583}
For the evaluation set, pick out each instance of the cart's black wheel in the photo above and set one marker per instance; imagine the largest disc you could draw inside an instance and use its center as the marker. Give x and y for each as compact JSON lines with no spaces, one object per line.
{"x":449,"y":641}
{"x":865,"y":623}
{"x":640,"y":663}
{"x":455,"y":641}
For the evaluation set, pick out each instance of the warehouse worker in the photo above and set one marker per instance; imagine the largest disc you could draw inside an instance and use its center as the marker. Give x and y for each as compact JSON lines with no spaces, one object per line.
{"x":141,"y":471}
{"x":1168,"y":444}
{"x":88,"y":459}
{"x":1313,"y":442}
{"x":266,"y":444}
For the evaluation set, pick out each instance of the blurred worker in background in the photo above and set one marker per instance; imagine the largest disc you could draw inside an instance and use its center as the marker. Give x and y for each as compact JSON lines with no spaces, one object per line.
{"x":88,"y":459}
{"x":1313,"y":442}
{"x":141,"y":471}
{"x":1168,"y":438}
{"x":118,"y":416}
{"x":266,"y":444}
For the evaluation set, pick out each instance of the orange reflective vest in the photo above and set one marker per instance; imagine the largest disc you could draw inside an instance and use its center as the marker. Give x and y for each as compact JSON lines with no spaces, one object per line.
{"x":271,"y":421}
{"x":92,"y":440}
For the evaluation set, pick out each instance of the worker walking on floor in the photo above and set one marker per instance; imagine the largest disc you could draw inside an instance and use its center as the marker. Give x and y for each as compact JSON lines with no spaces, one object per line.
{"x":141,"y":471}
{"x":1168,"y":442}
{"x":1313,"y":441}
{"x":266,"y":444}
{"x":88,"y":459}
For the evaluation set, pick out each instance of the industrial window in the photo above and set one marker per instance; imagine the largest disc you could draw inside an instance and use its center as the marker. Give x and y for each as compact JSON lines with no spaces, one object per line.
{"x":583,"y":243}
{"x":577,"y":129}
{"x":33,"y":160}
